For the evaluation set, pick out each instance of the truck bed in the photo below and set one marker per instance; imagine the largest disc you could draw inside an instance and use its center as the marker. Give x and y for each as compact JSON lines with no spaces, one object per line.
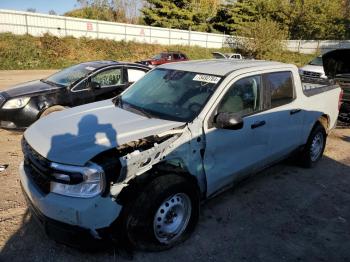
{"x":322,"y":98}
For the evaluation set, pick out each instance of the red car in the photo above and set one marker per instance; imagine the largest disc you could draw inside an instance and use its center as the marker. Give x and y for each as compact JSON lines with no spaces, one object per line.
{"x":164,"y":57}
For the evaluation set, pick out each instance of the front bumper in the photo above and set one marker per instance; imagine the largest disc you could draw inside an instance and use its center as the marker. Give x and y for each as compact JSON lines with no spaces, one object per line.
{"x":68,"y":219}
{"x":73,"y":236}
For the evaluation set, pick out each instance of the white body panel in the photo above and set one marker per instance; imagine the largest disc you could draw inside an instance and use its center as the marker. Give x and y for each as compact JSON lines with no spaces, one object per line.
{"x":231,"y":154}
{"x":215,"y":157}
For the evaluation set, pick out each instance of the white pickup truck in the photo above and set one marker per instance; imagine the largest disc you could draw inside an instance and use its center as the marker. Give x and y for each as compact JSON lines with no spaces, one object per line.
{"x":136,"y":168}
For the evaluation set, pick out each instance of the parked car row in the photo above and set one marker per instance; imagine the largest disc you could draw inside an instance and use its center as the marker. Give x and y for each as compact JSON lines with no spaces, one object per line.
{"x":135,"y":168}
{"x":313,"y":72}
{"x":22,"y":105}
{"x":163,"y":58}
{"x":219,"y":55}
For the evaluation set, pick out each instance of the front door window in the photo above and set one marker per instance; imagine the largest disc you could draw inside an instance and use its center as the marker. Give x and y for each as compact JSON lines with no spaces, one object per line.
{"x":243,"y":97}
{"x":107,"y":78}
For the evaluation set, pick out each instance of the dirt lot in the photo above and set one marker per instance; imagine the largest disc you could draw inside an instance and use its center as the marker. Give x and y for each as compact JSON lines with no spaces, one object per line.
{"x":285,"y":213}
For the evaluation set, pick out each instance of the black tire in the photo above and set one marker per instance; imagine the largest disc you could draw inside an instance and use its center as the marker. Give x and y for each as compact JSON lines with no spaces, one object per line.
{"x":307,"y":159}
{"x":137,"y":224}
{"x":51,"y":109}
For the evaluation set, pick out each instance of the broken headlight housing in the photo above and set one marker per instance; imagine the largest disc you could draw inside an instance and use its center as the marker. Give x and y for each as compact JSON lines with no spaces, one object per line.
{"x":75,"y":181}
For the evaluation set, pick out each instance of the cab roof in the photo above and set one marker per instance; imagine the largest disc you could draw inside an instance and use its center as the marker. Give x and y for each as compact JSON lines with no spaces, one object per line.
{"x":103,"y":63}
{"x":220,"y":67}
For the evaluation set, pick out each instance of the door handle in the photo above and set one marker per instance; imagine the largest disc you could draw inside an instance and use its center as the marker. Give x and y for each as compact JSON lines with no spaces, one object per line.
{"x":295,"y":111}
{"x":258,"y":124}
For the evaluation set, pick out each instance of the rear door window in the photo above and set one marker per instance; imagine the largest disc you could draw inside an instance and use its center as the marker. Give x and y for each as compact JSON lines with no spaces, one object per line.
{"x":182,"y":56}
{"x":135,"y":74}
{"x":280,"y":87}
{"x":176,"y":56}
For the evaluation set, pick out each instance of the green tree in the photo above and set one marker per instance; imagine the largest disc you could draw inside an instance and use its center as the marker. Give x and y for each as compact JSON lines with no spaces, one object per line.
{"x":224,"y":20}
{"x":232,"y":15}
{"x":256,"y":42}
{"x":303,"y":19}
{"x":180,"y":14}
{"x":308,"y":19}
{"x":107,"y":10}
{"x":170,"y":14}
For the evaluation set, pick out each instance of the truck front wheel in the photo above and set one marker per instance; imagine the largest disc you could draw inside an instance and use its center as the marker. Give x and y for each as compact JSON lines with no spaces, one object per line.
{"x":163,"y":215}
{"x":314,"y":147}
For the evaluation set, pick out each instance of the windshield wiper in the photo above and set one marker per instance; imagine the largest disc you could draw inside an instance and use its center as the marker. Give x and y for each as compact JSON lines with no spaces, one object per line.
{"x":50,"y":82}
{"x":138,"y":110}
{"x":118,"y":101}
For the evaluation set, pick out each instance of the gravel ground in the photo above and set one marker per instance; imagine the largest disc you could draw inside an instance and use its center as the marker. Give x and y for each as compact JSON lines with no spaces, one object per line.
{"x":284,"y":213}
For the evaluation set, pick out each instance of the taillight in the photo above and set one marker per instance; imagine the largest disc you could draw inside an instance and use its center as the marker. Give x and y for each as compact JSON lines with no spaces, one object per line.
{"x":340,"y":98}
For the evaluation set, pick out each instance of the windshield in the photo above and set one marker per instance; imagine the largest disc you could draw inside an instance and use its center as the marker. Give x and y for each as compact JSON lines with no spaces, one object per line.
{"x":317,"y":61}
{"x":171,"y":94}
{"x":158,"y":56}
{"x":218,"y":56}
{"x":68,"y":76}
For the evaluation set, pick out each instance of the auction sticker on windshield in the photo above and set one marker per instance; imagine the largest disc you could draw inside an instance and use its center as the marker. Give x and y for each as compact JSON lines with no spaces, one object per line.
{"x":207,"y":78}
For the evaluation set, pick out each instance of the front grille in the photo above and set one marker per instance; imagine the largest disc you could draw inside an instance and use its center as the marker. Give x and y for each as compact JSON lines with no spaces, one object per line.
{"x":312,"y":74}
{"x":37,"y":167}
{"x":2,"y":100}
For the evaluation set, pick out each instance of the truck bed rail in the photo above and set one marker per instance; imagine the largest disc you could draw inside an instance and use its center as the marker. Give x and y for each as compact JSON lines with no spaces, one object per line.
{"x":311,"y":89}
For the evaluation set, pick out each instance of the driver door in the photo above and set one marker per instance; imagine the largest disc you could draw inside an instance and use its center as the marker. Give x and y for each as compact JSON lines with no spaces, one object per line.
{"x":233,"y":153}
{"x":111,"y":82}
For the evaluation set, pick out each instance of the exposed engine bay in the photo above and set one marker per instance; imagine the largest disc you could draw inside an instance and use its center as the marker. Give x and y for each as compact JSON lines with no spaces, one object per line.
{"x":137,"y":157}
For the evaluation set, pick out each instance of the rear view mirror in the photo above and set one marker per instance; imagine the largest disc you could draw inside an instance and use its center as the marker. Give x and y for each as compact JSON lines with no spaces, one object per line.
{"x":228,"y":121}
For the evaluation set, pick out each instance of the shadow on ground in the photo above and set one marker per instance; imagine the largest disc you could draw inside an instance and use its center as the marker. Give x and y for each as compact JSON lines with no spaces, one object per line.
{"x":284,"y":213}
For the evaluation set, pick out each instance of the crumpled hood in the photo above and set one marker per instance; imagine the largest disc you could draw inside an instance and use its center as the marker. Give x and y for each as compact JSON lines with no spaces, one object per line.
{"x":337,"y":62}
{"x":28,"y":89}
{"x":76,"y":135}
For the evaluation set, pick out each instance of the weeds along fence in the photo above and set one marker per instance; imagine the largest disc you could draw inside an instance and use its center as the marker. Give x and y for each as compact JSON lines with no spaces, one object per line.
{"x":37,"y":24}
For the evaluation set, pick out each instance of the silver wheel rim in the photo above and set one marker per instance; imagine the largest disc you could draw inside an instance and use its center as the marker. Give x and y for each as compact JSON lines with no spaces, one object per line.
{"x":172,"y":217}
{"x":316,"y":146}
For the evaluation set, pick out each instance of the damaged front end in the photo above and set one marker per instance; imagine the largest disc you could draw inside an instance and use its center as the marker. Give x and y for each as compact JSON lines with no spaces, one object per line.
{"x":138,"y":157}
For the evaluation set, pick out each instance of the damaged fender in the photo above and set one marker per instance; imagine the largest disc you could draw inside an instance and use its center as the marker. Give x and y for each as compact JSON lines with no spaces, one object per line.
{"x":139,"y":162}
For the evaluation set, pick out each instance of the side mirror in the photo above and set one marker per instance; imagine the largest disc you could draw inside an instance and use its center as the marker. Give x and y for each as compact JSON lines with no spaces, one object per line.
{"x":228,"y":121}
{"x":126,"y":85}
{"x":94,"y":85}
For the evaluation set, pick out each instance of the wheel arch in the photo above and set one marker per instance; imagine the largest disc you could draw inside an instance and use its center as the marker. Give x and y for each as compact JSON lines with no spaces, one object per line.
{"x":135,"y":185}
{"x":323,"y":120}
{"x":49,"y":107}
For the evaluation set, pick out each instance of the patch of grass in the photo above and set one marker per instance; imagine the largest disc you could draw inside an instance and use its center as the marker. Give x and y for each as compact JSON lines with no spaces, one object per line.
{"x":50,"y":52}
{"x":291,"y":58}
